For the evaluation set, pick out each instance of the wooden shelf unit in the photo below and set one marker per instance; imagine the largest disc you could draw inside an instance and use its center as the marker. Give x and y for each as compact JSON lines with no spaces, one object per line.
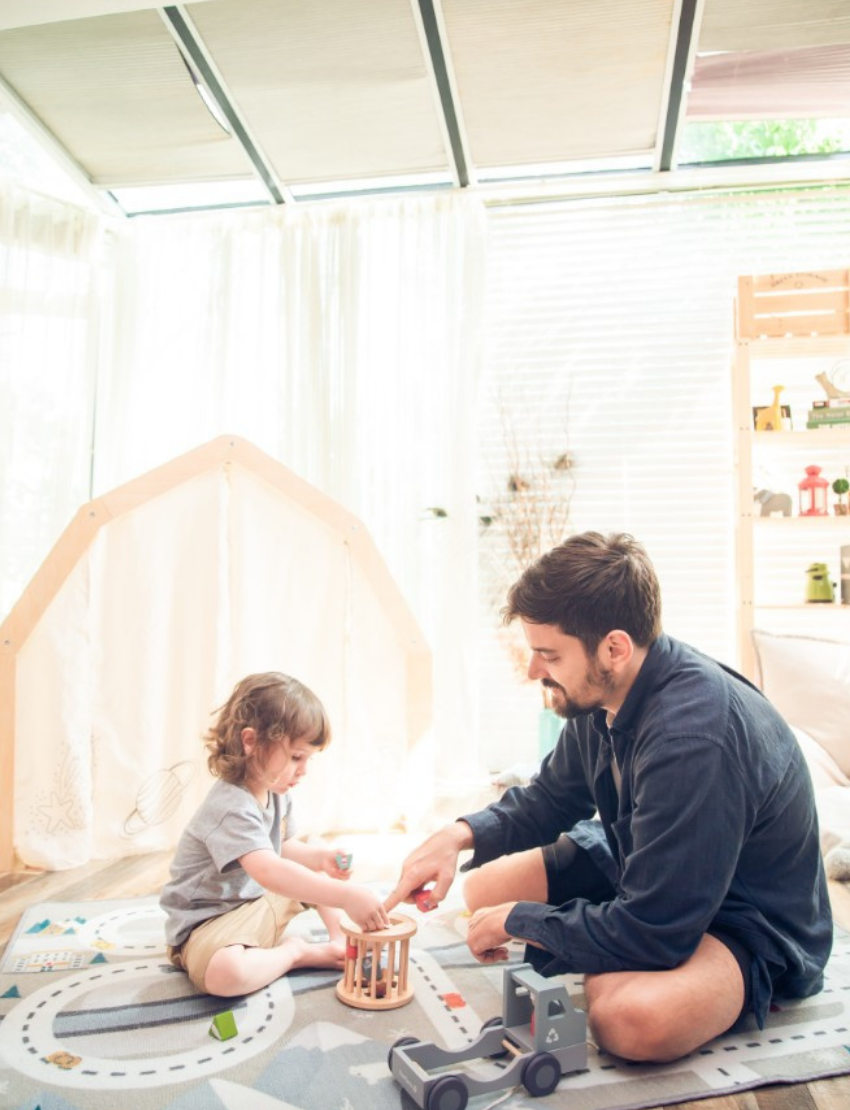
{"x":789,"y":327}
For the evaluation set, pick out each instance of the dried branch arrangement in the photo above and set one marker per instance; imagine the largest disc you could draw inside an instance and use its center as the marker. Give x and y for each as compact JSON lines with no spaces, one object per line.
{"x":527,"y":515}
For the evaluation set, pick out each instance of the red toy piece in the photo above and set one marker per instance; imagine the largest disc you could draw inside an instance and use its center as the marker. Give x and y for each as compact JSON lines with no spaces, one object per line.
{"x":453,"y":1000}
{"x":422,"y":898}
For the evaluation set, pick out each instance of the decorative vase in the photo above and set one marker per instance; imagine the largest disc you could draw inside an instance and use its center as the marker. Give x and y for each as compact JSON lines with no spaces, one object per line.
{"x":549,"y":726}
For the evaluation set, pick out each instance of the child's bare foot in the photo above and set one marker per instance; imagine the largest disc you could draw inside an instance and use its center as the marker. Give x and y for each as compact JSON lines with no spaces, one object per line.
{"x":326,"y":954}
{"x":238,"y":970}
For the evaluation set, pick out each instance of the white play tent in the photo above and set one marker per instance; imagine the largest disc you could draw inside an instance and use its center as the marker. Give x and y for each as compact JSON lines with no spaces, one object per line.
{"x":158,"y":597}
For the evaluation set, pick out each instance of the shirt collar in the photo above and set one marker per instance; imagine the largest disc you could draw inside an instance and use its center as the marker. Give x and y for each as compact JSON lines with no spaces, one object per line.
{"x":652,"y":668}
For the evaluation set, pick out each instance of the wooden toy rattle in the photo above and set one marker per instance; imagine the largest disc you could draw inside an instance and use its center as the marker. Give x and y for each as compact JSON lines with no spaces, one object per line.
{"x":375,"y":976}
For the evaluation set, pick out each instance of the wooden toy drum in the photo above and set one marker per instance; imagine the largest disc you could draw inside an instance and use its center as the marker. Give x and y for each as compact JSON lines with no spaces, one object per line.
{"x":376,"y":965}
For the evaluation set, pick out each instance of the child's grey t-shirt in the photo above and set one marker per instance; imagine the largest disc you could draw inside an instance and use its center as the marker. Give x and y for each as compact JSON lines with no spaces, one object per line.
{"x":206,"y":878}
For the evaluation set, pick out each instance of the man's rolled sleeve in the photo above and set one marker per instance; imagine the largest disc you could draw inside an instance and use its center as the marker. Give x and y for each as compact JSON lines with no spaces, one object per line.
{"x":487,"y":833}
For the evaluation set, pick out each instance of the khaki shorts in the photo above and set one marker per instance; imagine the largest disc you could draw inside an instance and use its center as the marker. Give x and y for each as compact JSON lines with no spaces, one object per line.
{"x":257,"y":924}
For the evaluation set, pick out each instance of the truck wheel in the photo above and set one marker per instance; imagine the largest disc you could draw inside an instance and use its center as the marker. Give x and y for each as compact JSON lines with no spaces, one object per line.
{"x":398,"y":1044}
{"x":541,"y":1074}
{"x":448,"y":1093}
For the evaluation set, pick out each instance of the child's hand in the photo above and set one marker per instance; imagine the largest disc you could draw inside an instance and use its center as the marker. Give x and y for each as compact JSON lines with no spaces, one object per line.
{"x":365,"y":908}
{"x":336,"y":863}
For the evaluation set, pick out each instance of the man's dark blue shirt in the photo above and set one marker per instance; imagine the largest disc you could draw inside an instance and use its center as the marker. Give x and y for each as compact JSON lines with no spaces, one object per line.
{"x":713,"y":826}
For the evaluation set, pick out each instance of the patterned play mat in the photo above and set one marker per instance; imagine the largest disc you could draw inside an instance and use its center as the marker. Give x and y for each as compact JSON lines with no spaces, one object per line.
{"x":90,"y":1007}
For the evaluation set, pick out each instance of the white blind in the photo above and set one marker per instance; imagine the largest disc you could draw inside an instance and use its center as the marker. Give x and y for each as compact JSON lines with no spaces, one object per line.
{"x":610,"y":337}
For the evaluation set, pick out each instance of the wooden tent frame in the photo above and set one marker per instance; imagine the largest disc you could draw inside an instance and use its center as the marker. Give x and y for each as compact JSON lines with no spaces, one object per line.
{"x":221,"y":452}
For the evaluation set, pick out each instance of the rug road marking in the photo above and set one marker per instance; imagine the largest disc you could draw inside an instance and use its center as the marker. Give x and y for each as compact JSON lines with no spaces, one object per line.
{"x":28,"y":1035}
{"x":717,"y":1064}
{"x":457,"y":1026}
{"x":110,"y":930}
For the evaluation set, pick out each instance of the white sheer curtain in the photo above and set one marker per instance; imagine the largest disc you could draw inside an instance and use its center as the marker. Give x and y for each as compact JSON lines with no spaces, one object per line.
{"x":344,"y":341}
{"x":49,"y":318}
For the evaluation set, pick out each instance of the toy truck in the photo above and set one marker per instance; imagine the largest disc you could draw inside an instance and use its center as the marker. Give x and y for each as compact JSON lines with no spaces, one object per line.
{"x":539,"y":1028}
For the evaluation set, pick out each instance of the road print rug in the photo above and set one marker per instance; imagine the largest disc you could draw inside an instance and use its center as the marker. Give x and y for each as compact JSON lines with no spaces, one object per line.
{"x":93,"y":1017}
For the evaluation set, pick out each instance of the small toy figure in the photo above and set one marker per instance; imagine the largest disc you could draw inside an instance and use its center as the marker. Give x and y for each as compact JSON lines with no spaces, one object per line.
{"x":836,"y":381}
{"x":224,"y":1026}
{"x":769,"y":419}
{"x":773,"y":502}
{"x":343,"y":860}
{"x":818,"y":585}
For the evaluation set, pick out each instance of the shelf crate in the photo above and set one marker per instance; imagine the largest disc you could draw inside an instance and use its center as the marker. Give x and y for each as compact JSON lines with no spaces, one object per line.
{"x":797,"y":304}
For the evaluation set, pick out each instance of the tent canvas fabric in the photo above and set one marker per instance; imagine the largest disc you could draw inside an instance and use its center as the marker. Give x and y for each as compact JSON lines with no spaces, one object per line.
{"x":156,"y":600}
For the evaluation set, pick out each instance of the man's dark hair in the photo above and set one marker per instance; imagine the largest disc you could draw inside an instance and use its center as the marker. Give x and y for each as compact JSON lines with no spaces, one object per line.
{"x":589,"y":585}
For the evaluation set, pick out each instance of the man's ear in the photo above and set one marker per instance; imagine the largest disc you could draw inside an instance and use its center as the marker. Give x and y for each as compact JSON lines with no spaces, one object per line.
{"x":617,"y":649}
{"x":248,"y":736}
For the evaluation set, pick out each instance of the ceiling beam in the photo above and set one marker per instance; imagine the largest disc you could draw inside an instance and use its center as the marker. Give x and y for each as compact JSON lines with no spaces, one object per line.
{"x":686,"y":36}
{"x":442,"y":76}
{"x":193,"y":49}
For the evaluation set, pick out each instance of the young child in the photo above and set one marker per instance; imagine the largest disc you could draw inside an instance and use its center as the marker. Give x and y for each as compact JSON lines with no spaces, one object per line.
{"x":238,"y":876}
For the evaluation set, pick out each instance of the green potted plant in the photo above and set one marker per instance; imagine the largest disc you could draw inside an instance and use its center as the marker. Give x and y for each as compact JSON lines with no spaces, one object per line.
{"x":840,"y":487}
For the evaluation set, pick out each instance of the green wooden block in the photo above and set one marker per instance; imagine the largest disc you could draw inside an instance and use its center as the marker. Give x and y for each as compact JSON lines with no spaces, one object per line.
{"x":224,"y":1026}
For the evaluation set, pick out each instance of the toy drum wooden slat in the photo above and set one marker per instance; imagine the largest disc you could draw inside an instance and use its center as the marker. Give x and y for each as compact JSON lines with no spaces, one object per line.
{"x":375,"y":976}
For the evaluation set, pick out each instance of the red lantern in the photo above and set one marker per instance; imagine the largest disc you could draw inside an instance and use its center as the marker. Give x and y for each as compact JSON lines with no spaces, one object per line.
{"x":813,"y":493}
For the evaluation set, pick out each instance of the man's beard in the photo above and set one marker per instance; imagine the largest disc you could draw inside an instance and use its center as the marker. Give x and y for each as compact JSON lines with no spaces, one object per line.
{"x":564,"y":706}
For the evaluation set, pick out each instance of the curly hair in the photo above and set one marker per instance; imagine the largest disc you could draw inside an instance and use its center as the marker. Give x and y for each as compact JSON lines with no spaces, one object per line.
{"x":278,"y":708}
{"x":589,"y":585}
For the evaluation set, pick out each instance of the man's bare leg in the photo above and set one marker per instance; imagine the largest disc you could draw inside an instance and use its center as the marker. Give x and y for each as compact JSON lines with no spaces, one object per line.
{"x":517,"y":878}
{"x":662,"y":1015}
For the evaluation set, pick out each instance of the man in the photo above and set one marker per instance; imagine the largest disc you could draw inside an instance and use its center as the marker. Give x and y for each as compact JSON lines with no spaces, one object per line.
{"x":698,"y":892}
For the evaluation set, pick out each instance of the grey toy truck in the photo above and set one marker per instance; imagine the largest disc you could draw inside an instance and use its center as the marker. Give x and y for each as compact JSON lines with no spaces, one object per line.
{"x":539,"y":1028}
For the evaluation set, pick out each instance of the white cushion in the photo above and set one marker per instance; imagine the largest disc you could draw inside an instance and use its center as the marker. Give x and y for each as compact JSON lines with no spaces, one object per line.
{"x":808,"y":680}
{"x":823,"y":768}
{"x":833,"y":806}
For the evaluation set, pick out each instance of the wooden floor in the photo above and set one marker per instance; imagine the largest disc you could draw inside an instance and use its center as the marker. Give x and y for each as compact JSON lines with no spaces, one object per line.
{"x":142,"y":875}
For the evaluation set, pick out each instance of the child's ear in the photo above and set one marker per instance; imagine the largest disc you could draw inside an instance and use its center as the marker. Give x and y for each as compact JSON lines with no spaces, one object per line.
{"x":248,"y":736}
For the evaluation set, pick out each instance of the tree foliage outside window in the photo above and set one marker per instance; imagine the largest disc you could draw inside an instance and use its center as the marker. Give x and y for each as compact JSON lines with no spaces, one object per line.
{"x":730,"y":140}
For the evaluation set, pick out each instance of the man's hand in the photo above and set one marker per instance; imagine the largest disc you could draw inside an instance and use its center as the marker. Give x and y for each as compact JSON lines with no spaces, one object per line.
{"x":487,"y":937}
{"x":433,"y":861}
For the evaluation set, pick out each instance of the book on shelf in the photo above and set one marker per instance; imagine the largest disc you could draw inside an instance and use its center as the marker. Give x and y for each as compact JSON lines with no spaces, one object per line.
{"x":821,"y":416}
{"x":832,"y":403}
